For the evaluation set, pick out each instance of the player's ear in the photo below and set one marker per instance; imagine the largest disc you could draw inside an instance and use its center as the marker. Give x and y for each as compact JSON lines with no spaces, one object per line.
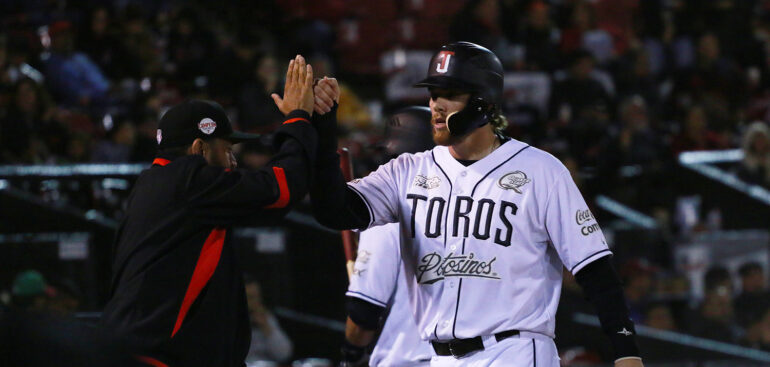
{"x":197,"y":147}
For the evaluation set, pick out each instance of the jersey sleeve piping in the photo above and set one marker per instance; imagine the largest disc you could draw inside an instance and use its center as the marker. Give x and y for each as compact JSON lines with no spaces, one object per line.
{"x":368,"y":205}
{"x":366,"y":298}
{"x":589,"y":259}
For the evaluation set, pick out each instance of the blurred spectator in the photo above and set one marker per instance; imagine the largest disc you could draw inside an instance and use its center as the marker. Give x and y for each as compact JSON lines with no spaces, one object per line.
{"x":696,"y":135}
{"x":140,"y":44}
{"x":236,"y":66}
{"x":658,"y":315}
{"x":634,"y":77}
{"x":755,"y":167}
{"x":715,"y":317}
{"x":118,"y":144}
{"x":634,"y":142}
{"x":268,"y":340}
{"x":754,"y":297}
{"x":479,"y":22}
{"x":74,"y":78}
{"x":146,"y":140}
{"x":578,"y":90}
{"x":30,"y":291}
{"x":78,"y":148}
{"x":15,"y":60}
{"x":583,"y":33}
{"x":637,"y":276}
{"x":256,"y":110}
{"x":190,"y":47}
{"x":99,"y":40}
{"x":540,"y":38}
{"x":66,"y":298}
{"x":29,"y":132}
{"x":712,"y":80}
{"x":758,"y":332}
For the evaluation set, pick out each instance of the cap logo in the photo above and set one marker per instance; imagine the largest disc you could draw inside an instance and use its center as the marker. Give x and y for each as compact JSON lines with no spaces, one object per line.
{"x":207,"y":126}
{"x":159,"y":135}
{"x":443,"y":58}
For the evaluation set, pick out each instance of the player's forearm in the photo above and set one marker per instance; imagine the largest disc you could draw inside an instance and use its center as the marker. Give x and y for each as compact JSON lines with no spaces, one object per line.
{"x":602,"y":286}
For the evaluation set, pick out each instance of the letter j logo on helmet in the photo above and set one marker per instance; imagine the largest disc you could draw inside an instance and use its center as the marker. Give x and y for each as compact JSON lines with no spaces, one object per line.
{"x":443,"y":58}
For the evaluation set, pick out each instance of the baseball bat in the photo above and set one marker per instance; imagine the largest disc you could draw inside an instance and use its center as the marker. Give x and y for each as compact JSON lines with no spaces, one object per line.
{"x":348,"y":237}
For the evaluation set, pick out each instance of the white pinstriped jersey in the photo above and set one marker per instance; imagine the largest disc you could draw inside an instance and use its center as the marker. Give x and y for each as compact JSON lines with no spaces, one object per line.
{"x":483,"y":245}
{"x":378,"y":279}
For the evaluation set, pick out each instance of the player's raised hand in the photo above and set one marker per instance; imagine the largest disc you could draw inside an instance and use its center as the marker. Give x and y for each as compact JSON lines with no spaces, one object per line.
{"x":327,"y":92}
{"x":298,"y":90}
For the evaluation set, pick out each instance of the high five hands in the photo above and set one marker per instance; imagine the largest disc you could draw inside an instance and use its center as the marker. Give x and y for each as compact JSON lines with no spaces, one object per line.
{"x":298,"y":90}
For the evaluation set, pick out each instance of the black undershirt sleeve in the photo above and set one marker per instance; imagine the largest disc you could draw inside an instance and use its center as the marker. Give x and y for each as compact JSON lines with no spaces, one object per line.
{"x":603,"y":288}
{"x":335,"y":205}
{"x":364,"y":314}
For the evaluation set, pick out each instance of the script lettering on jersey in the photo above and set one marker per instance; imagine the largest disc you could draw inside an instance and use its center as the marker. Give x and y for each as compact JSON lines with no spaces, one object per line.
{"x":492,"y":219}
{"x":433,"y":267}
{"x":584,"y":217}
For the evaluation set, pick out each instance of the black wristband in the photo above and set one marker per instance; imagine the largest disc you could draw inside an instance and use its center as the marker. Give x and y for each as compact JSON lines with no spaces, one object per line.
{"x":624,"y":341}
{"x":602,"y":287}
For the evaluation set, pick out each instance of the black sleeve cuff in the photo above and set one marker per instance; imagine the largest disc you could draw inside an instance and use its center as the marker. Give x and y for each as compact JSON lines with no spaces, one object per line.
{"x":364,"y":314}
{"x":302,"y":114}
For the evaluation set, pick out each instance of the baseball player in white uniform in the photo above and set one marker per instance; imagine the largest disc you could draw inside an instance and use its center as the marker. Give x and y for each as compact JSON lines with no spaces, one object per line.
{"x":486,"y":224}
{"x":377,"y":276}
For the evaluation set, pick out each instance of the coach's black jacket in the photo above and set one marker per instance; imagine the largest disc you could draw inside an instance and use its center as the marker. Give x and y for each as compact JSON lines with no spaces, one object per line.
{"x":176,"y":289}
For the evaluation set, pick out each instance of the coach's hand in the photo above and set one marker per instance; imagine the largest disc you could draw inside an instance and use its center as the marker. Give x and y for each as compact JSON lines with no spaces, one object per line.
{"x":327,"y":93}
{"x":630,"y":362}
{"x":298,"y":91}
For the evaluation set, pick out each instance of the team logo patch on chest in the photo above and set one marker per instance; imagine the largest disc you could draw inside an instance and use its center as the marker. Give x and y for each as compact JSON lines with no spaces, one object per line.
{"x":513,"y":181}
{"x":427,"y":182}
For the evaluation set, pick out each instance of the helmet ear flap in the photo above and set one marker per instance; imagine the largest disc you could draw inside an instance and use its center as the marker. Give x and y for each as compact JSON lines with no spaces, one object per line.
{"x":476,"y":113}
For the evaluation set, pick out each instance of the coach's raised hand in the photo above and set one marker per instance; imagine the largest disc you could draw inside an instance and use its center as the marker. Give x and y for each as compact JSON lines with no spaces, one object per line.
{"x":298,"y":90}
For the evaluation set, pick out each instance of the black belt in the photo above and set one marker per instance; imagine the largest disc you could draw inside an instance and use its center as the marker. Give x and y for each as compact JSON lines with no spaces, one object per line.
{"x":461,"y":347}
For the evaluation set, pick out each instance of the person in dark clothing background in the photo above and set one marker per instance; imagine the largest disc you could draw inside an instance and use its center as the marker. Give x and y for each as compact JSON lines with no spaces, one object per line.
{"x":177,"y":291}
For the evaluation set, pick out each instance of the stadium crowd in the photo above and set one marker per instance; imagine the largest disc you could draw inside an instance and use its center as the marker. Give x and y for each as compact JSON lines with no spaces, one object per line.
{"x":629,"y":83}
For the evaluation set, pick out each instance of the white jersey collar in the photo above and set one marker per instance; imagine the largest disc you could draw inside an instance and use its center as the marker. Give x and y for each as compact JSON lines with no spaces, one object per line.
{"x":453,"y":168}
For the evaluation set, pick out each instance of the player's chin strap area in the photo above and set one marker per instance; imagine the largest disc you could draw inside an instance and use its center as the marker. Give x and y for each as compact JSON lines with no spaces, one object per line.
{"x":475,"y":115}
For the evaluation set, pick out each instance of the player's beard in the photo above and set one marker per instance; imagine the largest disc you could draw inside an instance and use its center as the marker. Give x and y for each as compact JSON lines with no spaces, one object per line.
{"x":442,"y":136}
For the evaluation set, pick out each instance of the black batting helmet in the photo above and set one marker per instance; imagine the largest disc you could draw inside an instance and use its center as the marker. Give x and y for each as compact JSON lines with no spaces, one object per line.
{"x":408,"y":131}
{"x":466,"y":66}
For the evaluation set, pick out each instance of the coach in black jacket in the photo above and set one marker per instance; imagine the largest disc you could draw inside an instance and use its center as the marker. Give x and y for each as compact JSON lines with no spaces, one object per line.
{"x":176,"y":289}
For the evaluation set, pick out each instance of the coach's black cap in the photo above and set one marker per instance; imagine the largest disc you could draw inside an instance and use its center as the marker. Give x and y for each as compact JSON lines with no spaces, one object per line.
{"x":193,"y":119}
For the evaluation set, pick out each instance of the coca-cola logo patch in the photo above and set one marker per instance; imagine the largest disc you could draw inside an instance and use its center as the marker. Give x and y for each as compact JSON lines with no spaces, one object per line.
{"x":583,"y":216}
{"x":207,"y":126}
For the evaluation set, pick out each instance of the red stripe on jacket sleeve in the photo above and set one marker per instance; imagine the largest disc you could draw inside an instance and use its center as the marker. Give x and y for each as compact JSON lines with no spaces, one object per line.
{"x":161,"y":161}
{"x":283,"y":199}
{"x":151,"y":361}
{"x":204,"y":269}
{"x":289,"y":121}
